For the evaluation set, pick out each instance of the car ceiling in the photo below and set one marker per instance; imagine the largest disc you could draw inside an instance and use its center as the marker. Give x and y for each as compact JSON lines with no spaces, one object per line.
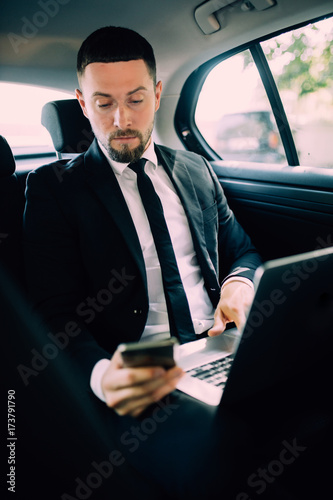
{"x":48,"y":56}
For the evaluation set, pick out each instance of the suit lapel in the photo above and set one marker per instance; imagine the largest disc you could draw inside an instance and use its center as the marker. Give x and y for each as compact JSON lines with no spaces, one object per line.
{"x":183,"y":183}
{"x":101,"y":179}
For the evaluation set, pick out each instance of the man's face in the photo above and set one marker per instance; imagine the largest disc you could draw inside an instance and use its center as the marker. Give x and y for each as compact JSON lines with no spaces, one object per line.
{"x":120,"y":101}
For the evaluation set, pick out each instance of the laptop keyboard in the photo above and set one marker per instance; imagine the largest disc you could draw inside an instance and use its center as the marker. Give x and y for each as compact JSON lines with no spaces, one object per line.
{"x":215,"y":372}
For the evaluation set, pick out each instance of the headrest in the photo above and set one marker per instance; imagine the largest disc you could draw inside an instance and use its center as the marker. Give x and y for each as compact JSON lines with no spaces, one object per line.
{"x":7,"y":162}
{"x":70,"y":130}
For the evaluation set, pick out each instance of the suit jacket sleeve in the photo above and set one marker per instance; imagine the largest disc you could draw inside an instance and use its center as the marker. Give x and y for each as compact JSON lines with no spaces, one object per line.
{"x":237,"y":254}
{"x":55,"y":275}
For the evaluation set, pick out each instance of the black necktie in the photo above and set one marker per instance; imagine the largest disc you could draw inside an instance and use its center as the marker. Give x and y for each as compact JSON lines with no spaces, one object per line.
{"x":178,"y":310}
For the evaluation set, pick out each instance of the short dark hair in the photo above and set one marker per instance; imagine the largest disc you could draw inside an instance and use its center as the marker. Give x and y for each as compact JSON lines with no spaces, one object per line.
{"x":115,"y":44}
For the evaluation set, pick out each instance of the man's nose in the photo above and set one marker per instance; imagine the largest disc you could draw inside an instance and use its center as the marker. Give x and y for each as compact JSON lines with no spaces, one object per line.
{"x":122,"y":118}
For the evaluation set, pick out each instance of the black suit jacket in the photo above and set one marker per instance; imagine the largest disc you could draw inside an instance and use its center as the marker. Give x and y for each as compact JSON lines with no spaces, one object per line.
{"x":84,"y":263}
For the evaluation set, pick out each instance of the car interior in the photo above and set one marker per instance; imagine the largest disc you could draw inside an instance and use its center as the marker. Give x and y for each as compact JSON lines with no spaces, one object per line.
{"x":247,"y":84}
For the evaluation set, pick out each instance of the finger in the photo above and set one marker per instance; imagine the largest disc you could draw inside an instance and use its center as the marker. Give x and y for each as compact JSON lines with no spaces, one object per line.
{"x":219,"y":324}
{"x":150,"y":385}
{"x":239,"y":312}
{"x":170,"y":385}
{"x":134,"y":407}
{"x":132,"y":377}
{"x":135,"y":399}
{"x":137,"y":412}
{"x":117,"y":360}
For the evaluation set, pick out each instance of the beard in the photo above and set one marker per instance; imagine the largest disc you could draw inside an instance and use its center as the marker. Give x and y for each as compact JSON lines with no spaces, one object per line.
{"x":125,"y":154}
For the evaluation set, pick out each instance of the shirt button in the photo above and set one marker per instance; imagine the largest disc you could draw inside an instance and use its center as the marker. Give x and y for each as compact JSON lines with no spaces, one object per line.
{"x":137,"y":312}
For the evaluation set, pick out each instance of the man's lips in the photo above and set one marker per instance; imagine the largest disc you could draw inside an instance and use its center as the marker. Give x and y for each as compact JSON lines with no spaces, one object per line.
{"x":126,"y":138}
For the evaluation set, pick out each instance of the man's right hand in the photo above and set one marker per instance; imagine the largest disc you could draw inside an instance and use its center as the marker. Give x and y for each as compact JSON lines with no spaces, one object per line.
{"x":129,"y":391}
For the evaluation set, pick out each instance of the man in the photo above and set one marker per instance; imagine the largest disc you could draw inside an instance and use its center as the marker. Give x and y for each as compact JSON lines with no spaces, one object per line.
{"x":93,"y":259}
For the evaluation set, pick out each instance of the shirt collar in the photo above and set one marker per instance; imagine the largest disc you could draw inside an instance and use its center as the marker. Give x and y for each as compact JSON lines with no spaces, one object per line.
{"x":119,"y":168}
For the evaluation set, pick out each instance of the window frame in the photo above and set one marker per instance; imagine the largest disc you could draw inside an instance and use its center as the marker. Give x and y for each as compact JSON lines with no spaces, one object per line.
{"x":184,"y":120}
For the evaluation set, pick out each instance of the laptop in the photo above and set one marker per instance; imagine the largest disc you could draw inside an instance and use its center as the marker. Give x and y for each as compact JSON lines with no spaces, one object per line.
{"x":289,"y":324}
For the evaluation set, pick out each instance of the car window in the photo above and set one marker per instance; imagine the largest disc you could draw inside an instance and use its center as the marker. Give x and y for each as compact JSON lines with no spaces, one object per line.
{"x":302,"y":64}
{"x":237,"y":123}
{"x":20,"y":118}
{"x":236,"y":118}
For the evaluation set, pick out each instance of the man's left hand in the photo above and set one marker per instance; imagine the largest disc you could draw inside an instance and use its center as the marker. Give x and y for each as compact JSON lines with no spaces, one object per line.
{"x":236,"y":298}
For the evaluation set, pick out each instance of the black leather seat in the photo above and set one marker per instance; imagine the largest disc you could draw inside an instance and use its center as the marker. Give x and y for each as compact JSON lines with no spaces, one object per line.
{"x":70,"y":130}
{"x":12,"y":201}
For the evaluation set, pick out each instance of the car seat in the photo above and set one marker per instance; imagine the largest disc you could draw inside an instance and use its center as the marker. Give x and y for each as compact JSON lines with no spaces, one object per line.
{"x":70,"y":130}
{"x":12,"y":203}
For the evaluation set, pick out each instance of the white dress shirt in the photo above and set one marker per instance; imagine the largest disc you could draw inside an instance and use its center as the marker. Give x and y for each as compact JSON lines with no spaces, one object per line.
{"x":201,"y":308}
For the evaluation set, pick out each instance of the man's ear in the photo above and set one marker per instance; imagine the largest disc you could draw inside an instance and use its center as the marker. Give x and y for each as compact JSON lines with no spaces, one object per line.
{"x":79,"y":97}
{"x":158,"y":93}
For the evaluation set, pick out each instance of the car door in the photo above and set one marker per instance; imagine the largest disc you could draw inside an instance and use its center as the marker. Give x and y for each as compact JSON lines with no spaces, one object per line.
{"x":262,"y":114}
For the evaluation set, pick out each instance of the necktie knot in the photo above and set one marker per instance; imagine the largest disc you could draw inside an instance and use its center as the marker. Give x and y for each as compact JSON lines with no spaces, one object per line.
{"x":138,"y":166}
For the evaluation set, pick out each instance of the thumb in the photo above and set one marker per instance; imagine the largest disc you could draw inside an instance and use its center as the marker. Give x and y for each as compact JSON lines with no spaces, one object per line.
{"x":219,"y":324}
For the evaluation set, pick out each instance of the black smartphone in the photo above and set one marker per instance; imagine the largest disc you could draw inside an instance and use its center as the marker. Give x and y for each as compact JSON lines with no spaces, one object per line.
{"x":154,"y":353}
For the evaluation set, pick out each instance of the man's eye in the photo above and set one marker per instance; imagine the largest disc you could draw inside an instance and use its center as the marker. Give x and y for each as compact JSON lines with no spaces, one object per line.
{"x":136,"y":101}
{"x":103,"y":105}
